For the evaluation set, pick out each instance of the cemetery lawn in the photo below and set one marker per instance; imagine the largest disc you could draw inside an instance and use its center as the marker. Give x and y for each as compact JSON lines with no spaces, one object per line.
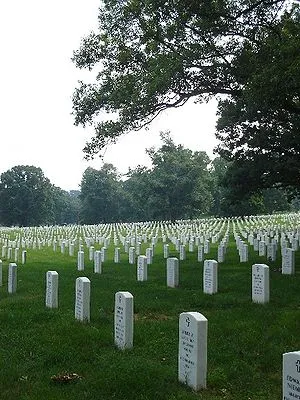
{"x":40,"y":346}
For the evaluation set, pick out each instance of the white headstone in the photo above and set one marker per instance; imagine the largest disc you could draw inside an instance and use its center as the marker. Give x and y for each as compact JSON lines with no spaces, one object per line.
{"x":206,"y":246}
{"x":80,"y":260}
{"x":172,"y":272}
{"x":91,"y":253}
{"x":123,"y":326}
{"x":117,"y":255}
{"x":200,"y":253}
{"x":52,"y":289}
{"x":288,"y":261}
{"x":97,"y":262}
{"x":142,"y":268}
{"x":149,"y":255}
{"x":24,"y":256}
{"x":166,"y":250}
{"x":182,"y":255}
{"x":82,"y":299}
{"x":260,"y":283}
{"x":291,"y":376}
{"x":131,"y":255}
{"x":210,"y":276}
{"x":192,"y":354}
{"x":12,"y":277}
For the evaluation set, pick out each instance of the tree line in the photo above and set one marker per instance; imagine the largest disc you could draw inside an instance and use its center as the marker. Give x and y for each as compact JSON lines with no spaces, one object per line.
{"x":180,"y":184}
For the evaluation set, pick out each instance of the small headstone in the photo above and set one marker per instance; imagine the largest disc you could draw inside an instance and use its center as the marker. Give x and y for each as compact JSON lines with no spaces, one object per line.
{"x":82,"y":299}
{"x":24,"y":257}
{"x":52,"y":289}
{"x":260,"y":283}
{"x":91,"y":253}
{"x":12,"y":278}
{"x":172,"y":272}
{"x":97,"y":262}
{"x":291,"y":376}
{"x":200,"y":253}
{"x":131,"y":255}
{"x":166,"y":250}
{"x":206,"y":246}
{"x":182,"y":255}
{"x":149,"y":255}
{"x":117,"y":255}
{"x":288,"y":261}
{"x":142,"y":268}
{"x":80,"y":260}
{"x":192,"y":354}
{"x":123,"y":326}
{"x":210,"y":277}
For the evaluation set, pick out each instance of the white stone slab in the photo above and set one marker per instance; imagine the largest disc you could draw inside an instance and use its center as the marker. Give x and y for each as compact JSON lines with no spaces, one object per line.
{"x":51,"y":289}
{"x":291,"y":376}
{"x":260,"y":283}
{"x":117,"y":255}
{"x":80,"y":260}
{"x":123,"y":320}
{"x":172,"y":272}
{"x":82,"y":299}
{"x":142,"y":268}
{"x":12,"y":277}
{"x":210,"y":276}
{"x":97,"y":262}
{"x":192,"y":354}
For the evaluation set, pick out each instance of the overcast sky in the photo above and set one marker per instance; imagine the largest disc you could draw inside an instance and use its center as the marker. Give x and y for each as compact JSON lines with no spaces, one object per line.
{"x":37,"y":78}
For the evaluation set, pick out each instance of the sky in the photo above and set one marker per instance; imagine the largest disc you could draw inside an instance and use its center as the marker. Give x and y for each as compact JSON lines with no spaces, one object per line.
{"x":37,"y":78}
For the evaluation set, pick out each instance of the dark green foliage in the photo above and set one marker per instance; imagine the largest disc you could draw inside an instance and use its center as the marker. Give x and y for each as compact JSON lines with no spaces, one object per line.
{"x":153,"y":55}
{"x":25,"y":196}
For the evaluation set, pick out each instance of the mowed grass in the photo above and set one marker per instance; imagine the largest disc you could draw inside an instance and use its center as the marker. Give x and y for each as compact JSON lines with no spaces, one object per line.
{"x":245,"y":340}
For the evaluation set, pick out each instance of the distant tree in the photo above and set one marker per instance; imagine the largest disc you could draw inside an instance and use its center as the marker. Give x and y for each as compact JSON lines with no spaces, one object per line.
{"x":66,"y":206}
{"x":25,"y":196}
{"x":179,"y":182}
{"x":100,"y":195}
{"x":136,"y":192}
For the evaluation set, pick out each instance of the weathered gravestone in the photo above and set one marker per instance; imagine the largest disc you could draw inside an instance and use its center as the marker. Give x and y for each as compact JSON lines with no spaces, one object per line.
{"x":123,"y":327}
{"x":260,"y":283}
{"x":80,"y":260}
{"x":288,"y":261}
{"x":91,"y":253}
{"x":97,"y":262}
{"x":12,"y":278}
{"x":131,"y":255}
{"x":52,"y":289}
{"x":24,"y":257}
{"x":149,"y":255}
{"x":117,"y":255}
{"x":142,"y":268}
{"x":291,"y":376}
{"x":172,"y":272}
{"x":192,"y":354}
{"x":200,"y":253}
{"x":166,"y":250}
{"x":210,"y":276}
{"x":182,"y":253}
{"x":82,"y":299}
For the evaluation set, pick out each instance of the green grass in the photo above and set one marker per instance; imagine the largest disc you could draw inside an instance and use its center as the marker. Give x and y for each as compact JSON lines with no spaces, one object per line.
{"x":245,"y":340}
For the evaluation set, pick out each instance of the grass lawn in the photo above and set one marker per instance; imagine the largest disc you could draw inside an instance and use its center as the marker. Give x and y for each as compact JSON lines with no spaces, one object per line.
{"x":245,"y":340}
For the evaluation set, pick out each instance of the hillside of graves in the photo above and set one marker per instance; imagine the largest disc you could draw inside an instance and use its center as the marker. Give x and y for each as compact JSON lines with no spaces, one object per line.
{"x":193,"y":309}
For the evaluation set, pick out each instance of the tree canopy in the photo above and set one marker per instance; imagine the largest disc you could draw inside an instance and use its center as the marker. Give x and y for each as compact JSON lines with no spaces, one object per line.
{"x":151,"y":55}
